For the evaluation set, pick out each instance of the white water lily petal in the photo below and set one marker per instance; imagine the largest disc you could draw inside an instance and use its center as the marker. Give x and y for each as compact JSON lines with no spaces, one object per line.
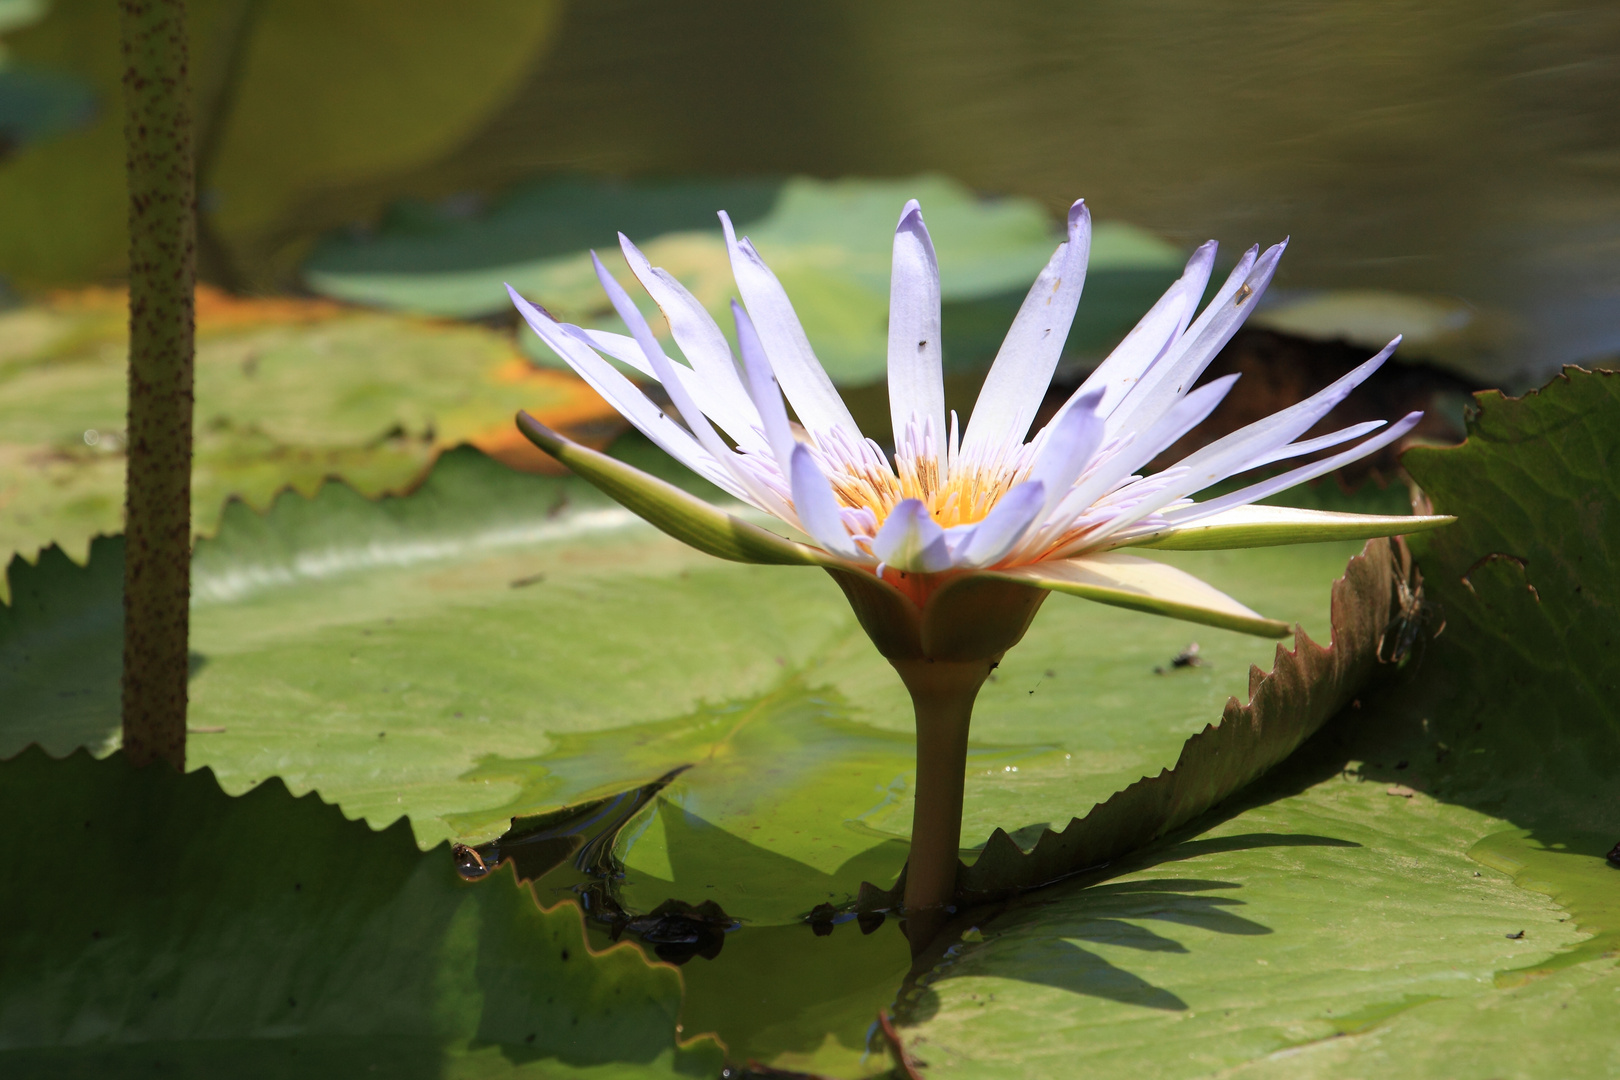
{"x":699,"y":339}
{"x":912,"y":541}
{"x":1067,"y":496}
{"x":624,"y":396}
{"x":817,"y":506}
{"x":916,"y":378}
{"x":1169,"y":379}
{"x":984,"y":543}
{"x":755,"y":492}
{"x":1321,"y":442}
{"x":1245,"y":447}
{"x":1267,"y":488}
{"x":1017,"y":382}
{"x":684,"y":516}
{"x":1151,"y":337}
{"x":1185,"y":415}
{"x":740,"y":427}
{"x":803,"y":381}
{"x":1144,"y":585}
{"x":1070,"y":441}
{"x":762,"y":386}
{"x":1269,"y":526}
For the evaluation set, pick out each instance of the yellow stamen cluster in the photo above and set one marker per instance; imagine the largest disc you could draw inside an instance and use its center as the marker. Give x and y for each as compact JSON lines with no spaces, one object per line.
{"x":964,"y":498}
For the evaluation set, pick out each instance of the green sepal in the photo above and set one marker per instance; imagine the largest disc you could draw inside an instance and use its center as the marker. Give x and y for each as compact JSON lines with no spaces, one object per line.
{"x":1129,"y":581}
{"x":1271,"y":526}
{"x":685,"y":517}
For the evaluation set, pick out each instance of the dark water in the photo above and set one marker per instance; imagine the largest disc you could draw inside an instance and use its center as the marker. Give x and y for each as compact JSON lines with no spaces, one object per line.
{"x":1461,"y":151}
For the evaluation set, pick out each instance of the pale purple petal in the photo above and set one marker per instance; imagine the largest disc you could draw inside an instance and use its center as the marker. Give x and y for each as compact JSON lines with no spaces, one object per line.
{"x":1185,"y":415}
{"x":1153,"y":336}
{"x":624,"y":396}
{"x":1023,"y":368}
{"x":664,"y":369}
{"x":817,"y":506}
{"x":916,"y":378}
{"x":1321,"y":442}
{"x":699,"y":338}
{"x":767,"y":395}
{"x":1244,"y":448}
{"x":1169,"y":379}
{"x":803,"y":380}
{"x":1068,"y":444}
{"x":911,"y":540}
{"x":733,"y":421}
{"x":986,"y":542}
{"x":1283,"y":482}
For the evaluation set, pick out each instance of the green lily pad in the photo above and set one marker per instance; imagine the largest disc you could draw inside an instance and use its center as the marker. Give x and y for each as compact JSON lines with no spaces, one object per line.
{"x":288,"y":394}
{"x":829,"y":242}
{"x":1423,"y":891}
{"x":190,"y":933}
{"x":1335,"y":913}
{"x":539,"y":612}
{"x":307,"y":117}
{"x":1530,"y":593}
{"x":338,"y":638}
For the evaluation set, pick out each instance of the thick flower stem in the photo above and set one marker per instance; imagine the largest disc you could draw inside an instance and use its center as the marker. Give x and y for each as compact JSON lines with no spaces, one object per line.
{"x":157,"y":531}
{"x":942,"y":694}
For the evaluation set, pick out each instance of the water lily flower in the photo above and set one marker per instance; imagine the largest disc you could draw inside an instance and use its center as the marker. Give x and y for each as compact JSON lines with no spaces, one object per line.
{"x":947,"y":546}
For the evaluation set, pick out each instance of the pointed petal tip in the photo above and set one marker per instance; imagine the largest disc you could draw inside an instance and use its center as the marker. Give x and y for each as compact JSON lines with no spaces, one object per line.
{"x":596,"y":261}
{"x":913,"y":208}
{"x":1383,"y":354}
{"x":1091,"y":399}
{"x":1079,"y":215}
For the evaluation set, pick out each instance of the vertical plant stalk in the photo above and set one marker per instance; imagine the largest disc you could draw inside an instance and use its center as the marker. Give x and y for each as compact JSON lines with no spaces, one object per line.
{"x":162,"y":257}
{"x":942,"y":695}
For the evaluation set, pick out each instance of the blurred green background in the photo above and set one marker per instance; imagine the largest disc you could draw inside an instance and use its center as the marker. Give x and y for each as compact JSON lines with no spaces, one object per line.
{"x":1445,"y":168}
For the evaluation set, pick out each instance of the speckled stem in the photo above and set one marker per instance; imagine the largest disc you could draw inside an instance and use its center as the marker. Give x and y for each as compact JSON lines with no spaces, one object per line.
{"x":157,"y":510}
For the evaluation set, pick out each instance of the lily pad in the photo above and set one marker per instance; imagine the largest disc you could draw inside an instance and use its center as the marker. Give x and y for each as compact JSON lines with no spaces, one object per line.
{"x":338,"y":638}
{"x":1330,"y":915}
{"x":1423,"y":890}
{"x":192,"y":933}
{"x":539,"y":612}
{"x":288,"y":394}
{"x":828,"y":241}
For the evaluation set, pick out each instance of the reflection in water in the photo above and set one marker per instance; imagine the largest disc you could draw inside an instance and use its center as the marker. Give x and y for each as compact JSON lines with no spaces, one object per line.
{"x":1440,"y":148}
{"x":570,"y":853}
{"x":795,"y":994}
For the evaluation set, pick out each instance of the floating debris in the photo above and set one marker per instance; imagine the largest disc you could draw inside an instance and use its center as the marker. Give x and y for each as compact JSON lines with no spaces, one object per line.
{"x":1186,"y":658}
